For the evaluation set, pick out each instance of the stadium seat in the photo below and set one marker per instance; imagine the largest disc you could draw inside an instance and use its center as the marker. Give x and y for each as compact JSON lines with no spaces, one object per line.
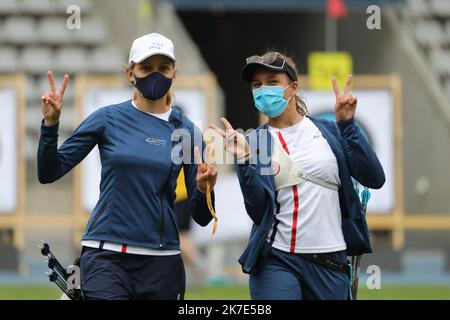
{"x":35,"y":88}
{"x":418,"y":8}
{"x":430,"y":33}
{"x":1,"y":30}
{"x":106,"y":60}
{"x":92,"y":32}
{"x":37,"y":7}
{"x":70,"y":60}
{"x":19,"y":30}
{"x":440,"y":61}
{"x":85,"y":5}
{"x":54,"y":31}
{"x":31,"y":90}
{"x":447,"y":88}
{"x":8,"y":60}
{"x":33,"y":117}
{"x":8,"y":7}
{"x":447,"y":29}
{"x":36,"y":60}
{"x":440,"y":7}
{"x":42,"y":86}
{"x":30,"y":146}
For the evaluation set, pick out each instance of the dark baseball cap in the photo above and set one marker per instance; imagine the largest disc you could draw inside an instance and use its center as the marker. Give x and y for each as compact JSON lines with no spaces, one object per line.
{"x":271,"y":60}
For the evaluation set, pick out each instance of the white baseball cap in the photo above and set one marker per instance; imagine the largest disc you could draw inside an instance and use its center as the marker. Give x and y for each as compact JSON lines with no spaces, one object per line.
{"x":150,"y":45}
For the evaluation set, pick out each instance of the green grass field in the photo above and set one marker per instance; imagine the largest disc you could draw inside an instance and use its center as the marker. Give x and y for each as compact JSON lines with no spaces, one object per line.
{"x":241,"y":293}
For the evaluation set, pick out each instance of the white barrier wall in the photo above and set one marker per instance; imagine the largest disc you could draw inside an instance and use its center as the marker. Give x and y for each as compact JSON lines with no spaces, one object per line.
{"x":8,"y":151}
{"x":375,"y":116}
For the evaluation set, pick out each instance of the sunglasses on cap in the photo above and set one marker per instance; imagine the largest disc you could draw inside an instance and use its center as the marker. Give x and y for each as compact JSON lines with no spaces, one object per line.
{"x":269,"y":58}
{"x":272,"y":60}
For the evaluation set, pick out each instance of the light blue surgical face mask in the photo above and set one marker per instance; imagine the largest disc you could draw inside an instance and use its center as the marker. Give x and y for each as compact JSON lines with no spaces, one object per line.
{"x":270,"y":100}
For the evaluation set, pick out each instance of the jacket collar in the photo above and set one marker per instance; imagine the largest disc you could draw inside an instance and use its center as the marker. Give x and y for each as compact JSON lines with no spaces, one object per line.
{"x":176,"y":117}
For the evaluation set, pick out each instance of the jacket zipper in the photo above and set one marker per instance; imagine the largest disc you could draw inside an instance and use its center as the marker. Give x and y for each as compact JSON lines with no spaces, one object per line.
{"x":97,"y":216}
{"x":166,"y":184}
{"x":162,"y":226}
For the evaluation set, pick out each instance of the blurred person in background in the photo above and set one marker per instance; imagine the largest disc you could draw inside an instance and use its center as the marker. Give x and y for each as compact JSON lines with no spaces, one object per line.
{"x":307,"y":216}
{"x":189,"y":251}
{"x":130,"y":248}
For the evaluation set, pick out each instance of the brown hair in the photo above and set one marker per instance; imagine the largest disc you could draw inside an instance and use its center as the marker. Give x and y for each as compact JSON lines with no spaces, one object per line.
{"x":170,"y":94}
{"x":299,"y":102}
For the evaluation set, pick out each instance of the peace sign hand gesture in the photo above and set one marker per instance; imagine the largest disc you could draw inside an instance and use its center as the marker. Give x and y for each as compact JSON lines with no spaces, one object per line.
{"x":52,"y":101}
{"x":345,"y":103}
{"x":235,"y":141}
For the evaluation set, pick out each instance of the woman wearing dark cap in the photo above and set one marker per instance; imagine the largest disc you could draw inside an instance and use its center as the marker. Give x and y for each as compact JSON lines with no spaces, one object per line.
{"x":295,"y":174}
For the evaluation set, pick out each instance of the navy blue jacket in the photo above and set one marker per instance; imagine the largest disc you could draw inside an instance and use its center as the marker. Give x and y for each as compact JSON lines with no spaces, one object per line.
{"x":138,"y":178}
{"x":355,"y":158}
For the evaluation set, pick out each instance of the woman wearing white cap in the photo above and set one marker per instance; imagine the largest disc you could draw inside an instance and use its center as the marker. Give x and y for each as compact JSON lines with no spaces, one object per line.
{"x":131,"y":245}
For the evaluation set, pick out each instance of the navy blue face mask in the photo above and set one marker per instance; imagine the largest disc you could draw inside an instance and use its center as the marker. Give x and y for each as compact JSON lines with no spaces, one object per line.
{"x":154,"y":86}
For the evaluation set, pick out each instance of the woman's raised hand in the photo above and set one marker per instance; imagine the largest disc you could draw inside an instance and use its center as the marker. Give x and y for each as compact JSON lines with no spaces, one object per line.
{"x":52,"y":101}
{"x":235,"y":141}
{"x":345,"y":103}
{"x":206,"y":172}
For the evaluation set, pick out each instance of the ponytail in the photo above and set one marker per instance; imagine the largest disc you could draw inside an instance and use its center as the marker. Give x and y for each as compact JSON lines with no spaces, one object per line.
{"x":301,"y":107}
{"x":169,"y":98}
